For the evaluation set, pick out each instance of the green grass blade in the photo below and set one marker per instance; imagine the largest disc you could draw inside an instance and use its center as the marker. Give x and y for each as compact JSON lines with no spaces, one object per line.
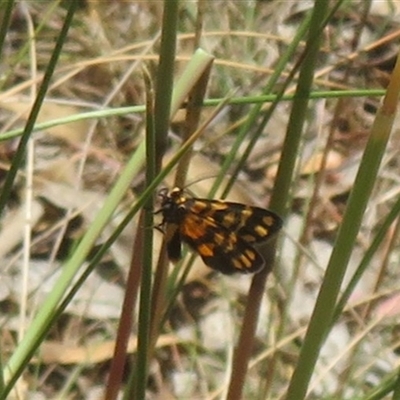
{"x":70,"y":269}
{"x":30,"y":123}
{"x":321,"y":319}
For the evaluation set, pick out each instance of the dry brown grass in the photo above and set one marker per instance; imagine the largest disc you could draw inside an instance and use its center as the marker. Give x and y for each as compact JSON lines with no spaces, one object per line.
{"x":74,"y":166}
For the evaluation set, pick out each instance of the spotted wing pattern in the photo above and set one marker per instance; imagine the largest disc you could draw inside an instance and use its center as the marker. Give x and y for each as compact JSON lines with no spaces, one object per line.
{"x":222,"y":233}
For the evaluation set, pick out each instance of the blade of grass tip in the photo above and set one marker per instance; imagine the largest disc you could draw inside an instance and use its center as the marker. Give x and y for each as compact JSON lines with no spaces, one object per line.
{"x":278,"y":201}
{"x":20,"y":152}
{"x":322,"y":316}
{"x":198,"y":64}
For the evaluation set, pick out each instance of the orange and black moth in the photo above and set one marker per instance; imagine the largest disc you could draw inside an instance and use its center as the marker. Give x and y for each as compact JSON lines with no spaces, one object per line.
{"x":222,"y":233}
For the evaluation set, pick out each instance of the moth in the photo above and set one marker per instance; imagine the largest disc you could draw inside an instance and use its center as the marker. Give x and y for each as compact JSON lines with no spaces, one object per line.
{"x":223,"y":233}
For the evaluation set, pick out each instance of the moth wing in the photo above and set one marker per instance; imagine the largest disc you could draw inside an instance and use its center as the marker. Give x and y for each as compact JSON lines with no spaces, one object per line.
{"x":260,"y":225}
{"x":220,"y":248}
{"x":252,"y":224}
{"x":243,"y":258}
